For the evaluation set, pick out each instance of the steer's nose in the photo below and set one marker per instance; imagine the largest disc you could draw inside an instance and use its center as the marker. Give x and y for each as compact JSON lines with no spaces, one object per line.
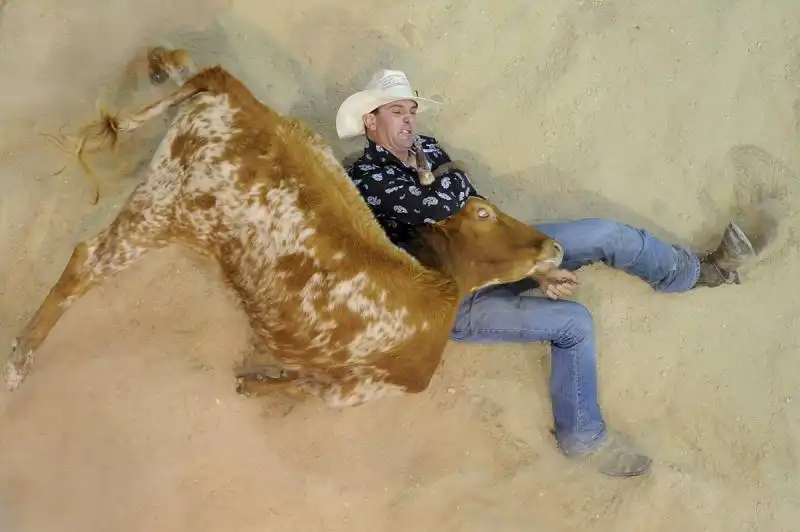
{"x":558,"y":253}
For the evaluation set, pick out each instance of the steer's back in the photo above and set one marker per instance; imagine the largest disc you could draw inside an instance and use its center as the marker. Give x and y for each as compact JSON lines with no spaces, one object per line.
{"x":265,"y":196}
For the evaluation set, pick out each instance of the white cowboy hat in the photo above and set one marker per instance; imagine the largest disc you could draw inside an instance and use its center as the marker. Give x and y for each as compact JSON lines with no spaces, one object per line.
{"x":386,"y":86}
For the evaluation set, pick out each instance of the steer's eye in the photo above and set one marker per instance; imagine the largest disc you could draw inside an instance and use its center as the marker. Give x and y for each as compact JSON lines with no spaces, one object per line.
{"x":483,"y":213}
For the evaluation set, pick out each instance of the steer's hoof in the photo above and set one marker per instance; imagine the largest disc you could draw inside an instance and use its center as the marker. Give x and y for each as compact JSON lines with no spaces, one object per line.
{"x":266,"y":371}
{"x":258,"y":384}
{"x":252,"y":384}
{"x":157,"y":77}
{"x":161,"y":61}
{"x":18,"y":364}
{"x":241,"y":387}
{"x":155,"y":65}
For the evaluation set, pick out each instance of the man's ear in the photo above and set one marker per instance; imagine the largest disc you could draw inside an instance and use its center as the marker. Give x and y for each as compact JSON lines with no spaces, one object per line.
{"x":370,"y":122}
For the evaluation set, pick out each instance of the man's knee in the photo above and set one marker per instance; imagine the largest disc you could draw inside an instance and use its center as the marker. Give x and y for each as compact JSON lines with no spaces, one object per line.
{"x":620,"y":243}
{"x":576,"y":323}
{"x":606,"y":233}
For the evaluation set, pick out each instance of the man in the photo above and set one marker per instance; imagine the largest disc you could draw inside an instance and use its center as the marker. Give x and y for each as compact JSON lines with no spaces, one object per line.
{"x":386,"y":112}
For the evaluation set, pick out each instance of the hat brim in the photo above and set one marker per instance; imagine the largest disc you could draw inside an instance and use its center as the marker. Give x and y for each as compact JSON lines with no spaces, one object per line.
{"x":349,"y":117}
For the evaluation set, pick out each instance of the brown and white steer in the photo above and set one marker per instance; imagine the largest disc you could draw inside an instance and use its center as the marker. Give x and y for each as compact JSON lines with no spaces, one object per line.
{"x":347,"y":315}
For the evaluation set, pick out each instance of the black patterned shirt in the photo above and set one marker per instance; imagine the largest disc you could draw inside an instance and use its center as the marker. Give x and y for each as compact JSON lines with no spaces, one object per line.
{"x":392,"y":190}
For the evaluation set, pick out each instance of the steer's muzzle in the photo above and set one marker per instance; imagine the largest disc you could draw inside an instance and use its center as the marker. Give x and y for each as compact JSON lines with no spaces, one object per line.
{"x":551,"y":256}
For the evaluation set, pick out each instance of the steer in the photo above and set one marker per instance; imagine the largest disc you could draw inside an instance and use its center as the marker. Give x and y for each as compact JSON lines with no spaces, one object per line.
{"x":347,"y":315}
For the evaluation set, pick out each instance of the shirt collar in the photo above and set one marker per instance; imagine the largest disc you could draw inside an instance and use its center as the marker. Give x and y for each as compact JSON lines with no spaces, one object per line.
{"x":379,"y":153}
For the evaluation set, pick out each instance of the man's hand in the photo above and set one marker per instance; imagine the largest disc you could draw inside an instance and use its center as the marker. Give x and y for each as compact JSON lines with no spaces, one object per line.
{"x":557,"y":284}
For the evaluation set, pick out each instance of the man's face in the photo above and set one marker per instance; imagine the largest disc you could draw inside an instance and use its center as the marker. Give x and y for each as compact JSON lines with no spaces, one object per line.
{"x":393,"y":125}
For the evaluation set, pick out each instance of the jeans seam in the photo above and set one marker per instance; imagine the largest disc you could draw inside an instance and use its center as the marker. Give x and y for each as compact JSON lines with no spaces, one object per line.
{"x":578,"y":417}
{"x":579,"y":421}
{"x":696,"y":276}
{"x":495,"y":330}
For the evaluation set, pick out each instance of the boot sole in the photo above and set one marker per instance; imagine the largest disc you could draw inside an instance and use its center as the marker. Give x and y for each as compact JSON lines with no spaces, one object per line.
{"x":742,"y":240}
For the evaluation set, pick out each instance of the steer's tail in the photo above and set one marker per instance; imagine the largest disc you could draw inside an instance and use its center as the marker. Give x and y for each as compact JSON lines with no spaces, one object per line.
{"x":104,"y":133}
{"x":175,"y":64}
{"x":162,"y":63}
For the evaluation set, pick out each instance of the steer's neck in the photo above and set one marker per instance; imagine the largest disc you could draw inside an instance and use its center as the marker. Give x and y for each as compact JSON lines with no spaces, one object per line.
{"x":434,"y":249}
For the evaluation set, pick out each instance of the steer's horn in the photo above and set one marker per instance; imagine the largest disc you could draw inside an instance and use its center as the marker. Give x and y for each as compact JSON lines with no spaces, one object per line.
{"x":423,"y":165}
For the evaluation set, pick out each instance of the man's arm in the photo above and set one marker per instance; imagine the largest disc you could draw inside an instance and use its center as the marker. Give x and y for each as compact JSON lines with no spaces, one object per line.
{"x":386,"y":191}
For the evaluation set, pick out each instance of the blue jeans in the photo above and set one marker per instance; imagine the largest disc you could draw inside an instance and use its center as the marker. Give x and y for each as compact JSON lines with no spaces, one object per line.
{"x":500,"y":314}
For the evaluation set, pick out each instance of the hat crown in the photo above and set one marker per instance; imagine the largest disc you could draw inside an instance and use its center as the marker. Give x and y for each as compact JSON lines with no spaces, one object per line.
{"x":390,"y":81}
{"x":384,"y":87}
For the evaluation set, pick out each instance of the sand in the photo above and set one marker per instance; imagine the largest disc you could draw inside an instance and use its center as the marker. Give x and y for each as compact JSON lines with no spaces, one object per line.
{"x":673,"y":116}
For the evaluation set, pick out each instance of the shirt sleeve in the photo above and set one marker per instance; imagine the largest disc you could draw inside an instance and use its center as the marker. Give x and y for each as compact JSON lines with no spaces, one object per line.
{"x":396,"y":196}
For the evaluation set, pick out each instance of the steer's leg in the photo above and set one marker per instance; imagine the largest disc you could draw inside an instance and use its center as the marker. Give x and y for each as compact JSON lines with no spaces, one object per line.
{"x":271,"y":371}
{"x":257,"y":383}
{"x":281,"y":388}
{"x":134,"y":231}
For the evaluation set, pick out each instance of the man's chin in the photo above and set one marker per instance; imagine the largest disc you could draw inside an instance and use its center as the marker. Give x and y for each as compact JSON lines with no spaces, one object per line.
{"x":406,"y":141}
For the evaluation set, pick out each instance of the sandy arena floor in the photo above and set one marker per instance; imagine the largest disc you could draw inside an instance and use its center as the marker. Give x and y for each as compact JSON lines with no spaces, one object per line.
{"x":673,"y":116}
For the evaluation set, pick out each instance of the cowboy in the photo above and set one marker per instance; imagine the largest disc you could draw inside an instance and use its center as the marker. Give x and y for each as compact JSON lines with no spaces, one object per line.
{"x":386,"y":175}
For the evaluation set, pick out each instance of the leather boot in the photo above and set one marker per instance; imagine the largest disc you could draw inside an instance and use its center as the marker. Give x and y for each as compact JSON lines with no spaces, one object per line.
{"x":721,"y":265}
